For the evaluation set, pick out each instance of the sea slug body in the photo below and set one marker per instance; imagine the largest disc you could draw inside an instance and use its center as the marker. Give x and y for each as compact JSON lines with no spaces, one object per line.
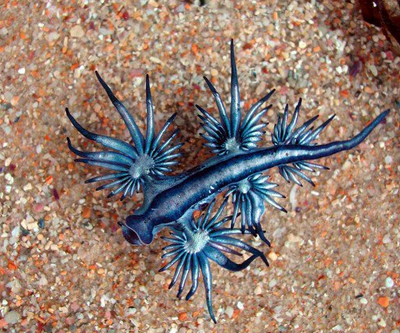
{"x":236,"y":172}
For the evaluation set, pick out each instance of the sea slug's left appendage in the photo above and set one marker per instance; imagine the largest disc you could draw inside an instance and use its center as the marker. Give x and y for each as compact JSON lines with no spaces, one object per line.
{"x":194,"y":243}
{"x":135,"y":165}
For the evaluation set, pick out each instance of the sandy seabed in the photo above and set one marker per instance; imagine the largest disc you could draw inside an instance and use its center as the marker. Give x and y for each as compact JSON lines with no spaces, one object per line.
{"x":64,"y":265}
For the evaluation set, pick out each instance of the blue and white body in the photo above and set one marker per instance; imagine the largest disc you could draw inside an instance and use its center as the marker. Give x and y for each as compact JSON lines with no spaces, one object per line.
{"x":236,"y":172}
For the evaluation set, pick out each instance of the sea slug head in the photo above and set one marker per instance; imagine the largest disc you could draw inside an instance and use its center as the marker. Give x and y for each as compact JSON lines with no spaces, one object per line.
{"x":137,"y":230}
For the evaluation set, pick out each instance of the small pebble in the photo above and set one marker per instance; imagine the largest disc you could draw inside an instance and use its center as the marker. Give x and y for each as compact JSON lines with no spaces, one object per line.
{"x":389,"y":283}
{"x":182,"y":316}
{"x":75,"y":306}
{"x":43,"y":281}
{"x":77,"y":32}
{"x":156,"y":60}
{"x":373,"y":69}
{"x":388,"y":159}
{"x":273,"y":256}
{"x":12,"y":317}
{"x":229,"y":311}
{"x":337,"y":328}
{"x":302,"y":44}
{"x":383,"y":301}
{"x":339,"y":70}
{"x":258,"y":290}
{"x":16,"y":231}
{"x":9,"y":178}
{"x":381,"y":322}
{"x":386,"y":239}
{"x":27,"y":187}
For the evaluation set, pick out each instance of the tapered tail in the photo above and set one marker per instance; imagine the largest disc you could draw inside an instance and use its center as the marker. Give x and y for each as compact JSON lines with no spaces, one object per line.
{"x":287,"y":154}
{"x":365,"y":132}
{"x":338,"y":146}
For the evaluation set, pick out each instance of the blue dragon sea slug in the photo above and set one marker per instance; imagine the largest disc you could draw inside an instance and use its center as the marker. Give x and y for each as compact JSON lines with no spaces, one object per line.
{"x":236,"y":172}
